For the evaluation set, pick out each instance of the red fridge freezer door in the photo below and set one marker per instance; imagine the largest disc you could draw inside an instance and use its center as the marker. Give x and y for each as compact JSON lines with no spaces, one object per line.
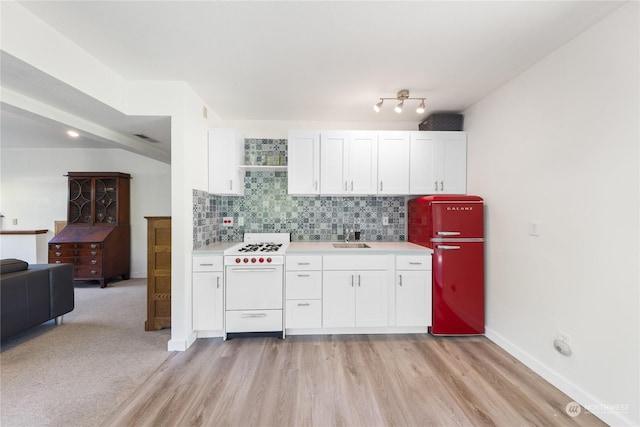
{"x":444,"y":217}
{"x":457,"y":219}
{"x":458,"y":288}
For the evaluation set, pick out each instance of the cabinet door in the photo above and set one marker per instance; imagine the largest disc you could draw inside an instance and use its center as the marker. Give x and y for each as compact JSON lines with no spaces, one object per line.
{"x":372,"y":303}
{"x":422,"y":173}
{"x":226,"y":154}
{"x":304,"y":162}
{"x":338,"y":299}
{"x":362,"y":161}
{"x":452,"y":158}
{"x":207,"y":301}
{"x":413,"y":298}
{"x":393,"y":162}
{"x":333,"y":164}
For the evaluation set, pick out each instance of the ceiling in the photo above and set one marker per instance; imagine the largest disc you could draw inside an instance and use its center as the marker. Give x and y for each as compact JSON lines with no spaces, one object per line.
{"x":306,"y":60}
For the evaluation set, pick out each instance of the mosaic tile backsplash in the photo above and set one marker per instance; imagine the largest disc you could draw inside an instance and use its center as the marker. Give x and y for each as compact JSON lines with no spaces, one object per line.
{"x":267,"y":208}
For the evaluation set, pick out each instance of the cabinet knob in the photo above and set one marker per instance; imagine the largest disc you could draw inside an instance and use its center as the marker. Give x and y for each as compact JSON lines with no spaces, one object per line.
{"x":93,"y":261}
{"x":58,"y":253}
{"x":94,"y":272}
{"x":94,"y":253}
{"x":58,"y":262}
{"x":93,"y":246}
{"x":58,"y":246}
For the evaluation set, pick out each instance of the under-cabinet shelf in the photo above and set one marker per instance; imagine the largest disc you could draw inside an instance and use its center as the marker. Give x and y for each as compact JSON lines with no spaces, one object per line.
{"x":260,"y":168}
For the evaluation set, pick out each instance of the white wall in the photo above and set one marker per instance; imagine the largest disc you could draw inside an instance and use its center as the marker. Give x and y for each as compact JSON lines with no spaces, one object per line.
{"x":34,"y":189}
{"x":559,"y":144}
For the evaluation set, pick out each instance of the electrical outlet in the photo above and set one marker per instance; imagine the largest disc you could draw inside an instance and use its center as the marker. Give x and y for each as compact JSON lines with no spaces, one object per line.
{"x":385,"y":220}
{"x":227,"y":221}
{"x":534,"y":228}
{"x":15,"y":221}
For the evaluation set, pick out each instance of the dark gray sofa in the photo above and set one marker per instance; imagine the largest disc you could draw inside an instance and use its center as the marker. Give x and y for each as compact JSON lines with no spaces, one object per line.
{"x":33,"y":294}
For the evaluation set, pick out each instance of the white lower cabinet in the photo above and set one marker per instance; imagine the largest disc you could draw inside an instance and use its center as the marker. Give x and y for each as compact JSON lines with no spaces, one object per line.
{"x":303,"y":291}
{"x":208,"y":291}
{"x":355,"y":298}
{"x":413,"y":290}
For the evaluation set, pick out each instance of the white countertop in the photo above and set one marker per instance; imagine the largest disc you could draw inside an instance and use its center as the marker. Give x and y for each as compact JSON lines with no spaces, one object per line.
{"x":214,"y":248}
{"x":375,"y":247}
{"x":298,"y":248}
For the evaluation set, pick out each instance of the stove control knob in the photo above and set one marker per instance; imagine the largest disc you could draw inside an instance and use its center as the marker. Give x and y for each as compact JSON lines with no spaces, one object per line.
{"x":253,"y":260}
{"x":246,"y":260}
{"x":261,"y":260}
{"x":238,"y":260}
{"x":268,"y":259}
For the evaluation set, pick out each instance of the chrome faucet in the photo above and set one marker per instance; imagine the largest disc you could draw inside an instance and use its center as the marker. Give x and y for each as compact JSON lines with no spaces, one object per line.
{"x":347,"y":233}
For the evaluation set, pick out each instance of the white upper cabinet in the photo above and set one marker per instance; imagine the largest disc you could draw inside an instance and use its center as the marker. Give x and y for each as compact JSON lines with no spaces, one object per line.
{"x":438,"y":163}
{"x":304,"y":162}
{"x":226,"y":154}
{"x":393,"y":163}
{"x":333,"y":162}
{"x":362,"y":170}
{"x":377,"y":163}
{"x":348,"y":162}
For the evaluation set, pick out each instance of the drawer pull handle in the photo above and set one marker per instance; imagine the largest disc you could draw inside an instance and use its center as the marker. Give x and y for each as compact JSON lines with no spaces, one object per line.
{"x":253,"y":315}
{"x":94,"y":253}
{"x":414,"y":263}
{"x":58,"y":253}
{"x":304,"y":275}
{"x":207,"y":265}
{"x":58,"y":262}
{"x":218,"y":282}
{"x":93,"y":246}
{"x":93,"y":261}
{"x":303,"y":304}
{"x":58,"y":246}
{"x":304,"y":263}
{"x":400,"y":275}
{"x":94,"y":272}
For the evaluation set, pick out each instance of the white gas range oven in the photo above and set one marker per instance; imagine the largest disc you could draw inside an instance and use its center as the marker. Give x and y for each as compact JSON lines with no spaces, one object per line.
{"x":254,"y":284}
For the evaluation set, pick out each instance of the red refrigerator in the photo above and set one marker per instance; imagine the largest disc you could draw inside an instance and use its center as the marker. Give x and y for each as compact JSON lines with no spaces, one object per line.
{"x":453,"y":226}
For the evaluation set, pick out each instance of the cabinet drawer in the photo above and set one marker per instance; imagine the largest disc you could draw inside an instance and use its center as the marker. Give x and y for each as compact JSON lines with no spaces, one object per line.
{"x":62,"y":253}
{"x":207,"y":263}
{"x":86,"y":271}
{"x":90,"y":246}
{"x":304,"y":314}
{"x":61,"y":260}
{"x":413,"y":262}
{"x":89,"y":253}
{"x":253,"y":321}
{"x":88,"y":261}
{"x":357,"y":262}
{"x":304,"y":285}
{"x":304,"y":262}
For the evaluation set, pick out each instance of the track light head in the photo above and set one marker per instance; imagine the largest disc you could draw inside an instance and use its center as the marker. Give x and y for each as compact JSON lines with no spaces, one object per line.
{"x":421,"y":107}
{"x":377,"y":107}
{"x":398,"y":108}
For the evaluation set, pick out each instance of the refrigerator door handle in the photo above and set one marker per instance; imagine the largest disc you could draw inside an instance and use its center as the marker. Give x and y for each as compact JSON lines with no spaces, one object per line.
{"x":448,"y":233}
{"x":447,"y":247}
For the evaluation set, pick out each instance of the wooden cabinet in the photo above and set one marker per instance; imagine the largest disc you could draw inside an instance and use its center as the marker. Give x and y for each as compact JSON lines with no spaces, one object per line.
{"x":348,"y":162}
{"x":97,"y":238}
{"x":303,"y":291}
{"x":355,"y":297}
{"x":413,"y":290}
{"x":304,"y":163}
{"x":393,"y":162}
{"x":208,"y":295}
{"x":226,"y":155}
{"x":158,"y":273}
{"x":438,"y":163}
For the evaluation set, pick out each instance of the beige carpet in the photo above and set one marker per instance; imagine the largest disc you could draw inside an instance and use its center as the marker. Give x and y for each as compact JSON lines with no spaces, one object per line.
{"x":78,"y":373}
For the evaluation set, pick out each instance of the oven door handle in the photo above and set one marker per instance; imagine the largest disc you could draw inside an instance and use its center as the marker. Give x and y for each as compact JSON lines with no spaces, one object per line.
{"x":252,"y":270}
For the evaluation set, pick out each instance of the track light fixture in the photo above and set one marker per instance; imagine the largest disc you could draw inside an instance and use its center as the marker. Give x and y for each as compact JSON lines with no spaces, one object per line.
{"x":401,"y":96}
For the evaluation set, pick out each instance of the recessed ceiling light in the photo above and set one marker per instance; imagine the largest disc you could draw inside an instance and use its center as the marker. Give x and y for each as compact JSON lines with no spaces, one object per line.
{"x":73,"y":133}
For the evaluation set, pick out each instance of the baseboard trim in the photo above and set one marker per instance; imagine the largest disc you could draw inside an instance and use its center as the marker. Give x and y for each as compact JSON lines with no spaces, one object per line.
{"x":579,"y":395}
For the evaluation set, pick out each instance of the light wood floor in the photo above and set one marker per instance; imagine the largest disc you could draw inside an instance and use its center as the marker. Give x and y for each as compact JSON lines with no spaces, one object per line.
{"x":347,"y":380}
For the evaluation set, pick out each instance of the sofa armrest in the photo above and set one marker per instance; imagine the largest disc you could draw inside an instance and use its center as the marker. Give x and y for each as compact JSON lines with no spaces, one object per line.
{"x":62,"y":298}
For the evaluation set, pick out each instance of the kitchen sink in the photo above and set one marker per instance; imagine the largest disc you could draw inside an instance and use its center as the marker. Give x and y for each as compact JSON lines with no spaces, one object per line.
{"x":350,"y":245}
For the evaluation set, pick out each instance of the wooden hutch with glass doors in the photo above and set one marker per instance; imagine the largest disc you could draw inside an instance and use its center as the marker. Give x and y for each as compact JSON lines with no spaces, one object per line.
{"x":97,"y":237}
